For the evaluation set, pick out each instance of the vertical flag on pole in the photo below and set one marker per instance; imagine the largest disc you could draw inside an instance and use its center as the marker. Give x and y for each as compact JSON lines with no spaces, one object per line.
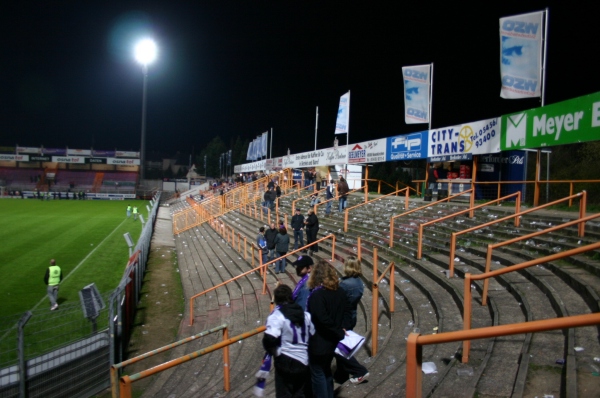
{"x":521,"y":55}
{"x":417,"y":83}
{"x":343,"y":116}
{"x":249,"y":153}
{"x":264,"y":142}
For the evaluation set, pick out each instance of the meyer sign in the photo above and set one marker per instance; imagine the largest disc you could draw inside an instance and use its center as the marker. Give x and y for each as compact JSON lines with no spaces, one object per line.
{"x":567,"y":122}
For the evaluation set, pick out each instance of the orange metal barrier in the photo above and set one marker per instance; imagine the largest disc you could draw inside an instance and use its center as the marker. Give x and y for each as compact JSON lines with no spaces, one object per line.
{"x":114,"y":369}
{"x":126,"y":381}
{"x":336,"y":197}
{"x":516,"y":217}
{"x":347,"y":209}
{"x":516,"y":267}
{"x":471,"y":213}
{"x":471,"y":191}
{"x":312,"y":187}
{"x":375,"y":299}
{"x":488,"y":259}
{"x":414,"y":346}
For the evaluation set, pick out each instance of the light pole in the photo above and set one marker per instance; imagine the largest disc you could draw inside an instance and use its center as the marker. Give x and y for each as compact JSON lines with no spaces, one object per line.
{"x":145,"y":54}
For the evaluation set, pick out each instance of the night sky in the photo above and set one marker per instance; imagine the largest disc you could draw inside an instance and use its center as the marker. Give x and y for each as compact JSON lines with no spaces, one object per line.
{"x":238,"y":68}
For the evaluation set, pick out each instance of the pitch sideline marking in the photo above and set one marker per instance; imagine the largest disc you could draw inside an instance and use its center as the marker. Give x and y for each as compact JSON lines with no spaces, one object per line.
{"x":83,"y":261}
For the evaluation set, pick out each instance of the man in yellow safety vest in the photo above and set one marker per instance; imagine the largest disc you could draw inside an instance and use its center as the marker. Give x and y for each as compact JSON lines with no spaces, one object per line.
{"x":52,"y":279}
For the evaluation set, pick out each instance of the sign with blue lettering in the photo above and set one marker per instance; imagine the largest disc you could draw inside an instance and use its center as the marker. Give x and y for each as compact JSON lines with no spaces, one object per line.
{"x":407,"y":147}
{"x":461,"y":141}
{"x":416,"y":93}
{"x":521,"y":55}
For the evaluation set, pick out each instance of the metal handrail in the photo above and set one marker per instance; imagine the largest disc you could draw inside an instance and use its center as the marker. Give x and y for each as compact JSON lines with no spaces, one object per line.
{"x":306,"y":196}
{"x":472,"y":191}
{"x":516,"y":217}
{"x":126,"y":381}
{"x":516,"y":267}
{"x":347,"y":209}
{"x":375,"y":299}
{"x":415,"y":341}
{"x":114,"y":369}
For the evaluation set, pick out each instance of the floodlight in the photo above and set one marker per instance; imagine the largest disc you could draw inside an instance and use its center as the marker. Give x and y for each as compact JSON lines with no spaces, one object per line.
{"x":146,"y":51}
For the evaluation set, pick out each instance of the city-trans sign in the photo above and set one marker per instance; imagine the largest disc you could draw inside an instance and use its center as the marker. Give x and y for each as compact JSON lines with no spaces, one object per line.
{"x":567,"y":122}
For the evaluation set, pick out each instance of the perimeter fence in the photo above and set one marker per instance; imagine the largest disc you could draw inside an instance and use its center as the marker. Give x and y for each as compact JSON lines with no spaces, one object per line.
{"x":63,"y":353}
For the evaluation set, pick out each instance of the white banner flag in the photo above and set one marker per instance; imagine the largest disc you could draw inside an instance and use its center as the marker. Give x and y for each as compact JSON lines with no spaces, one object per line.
{"x":265,"y":140}
{"x":417,"y":80}
{"x":249,"y":153}
{"x":343,"y":116}
{"x":521,"y":55}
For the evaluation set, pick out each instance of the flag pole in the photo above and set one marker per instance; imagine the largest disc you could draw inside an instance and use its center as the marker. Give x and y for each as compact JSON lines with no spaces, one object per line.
{"x":271,"y":147}
{"x":316,"y":127}
{"x":430,"y":95}
{"x":545,"y":59}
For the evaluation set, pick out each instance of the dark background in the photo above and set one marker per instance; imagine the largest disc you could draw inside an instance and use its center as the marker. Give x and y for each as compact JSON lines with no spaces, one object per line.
{"x":232,"y":69}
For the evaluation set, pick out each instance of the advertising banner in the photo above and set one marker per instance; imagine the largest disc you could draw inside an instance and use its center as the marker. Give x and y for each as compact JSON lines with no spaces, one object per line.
{"x":28,"y":149}
{"x":68,"y":159}
{"x":95,"y":160}
{"x":18,"y":158}
{"x":123,"y":162}
{"x":343,"y":116}
{"x":39,"y":158}
{"x":368,"y":152}
{"x":54,"y":151}
{"x":567,"y":122}
{"x":521,"y":55}
{"x":127,"y":154}
{"x":417,"y":80}
{"x":407,"y":147}
{"x":78,"y":152}
{"x":462,"y":141}
{"x":105,"y":154}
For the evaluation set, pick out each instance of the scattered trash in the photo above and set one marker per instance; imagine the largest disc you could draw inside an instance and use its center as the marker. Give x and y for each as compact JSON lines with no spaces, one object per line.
{"x":560,"y":361}
{"x":578,"y":349}
{"x":465,"y":371}
{"x":429,"y":367}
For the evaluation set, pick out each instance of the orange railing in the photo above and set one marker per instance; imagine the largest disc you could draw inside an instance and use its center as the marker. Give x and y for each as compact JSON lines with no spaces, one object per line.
{"x":375,"y":299}
{"x":126,"y":381}
{"x":491,"y":274}
{"x":306,"y":196}
{"x":262,"y":268}
{"x":116,"y":368}
{"x":414,"y":346}
{"x":488,"y":259}
{"x":347,"y":210}
{"x":516,"y":217}
{"x":469,"y":210}
{"x":392,"y":220}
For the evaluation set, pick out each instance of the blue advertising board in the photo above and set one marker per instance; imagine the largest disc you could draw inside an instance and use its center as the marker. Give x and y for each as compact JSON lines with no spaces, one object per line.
{"x":407,"y":146}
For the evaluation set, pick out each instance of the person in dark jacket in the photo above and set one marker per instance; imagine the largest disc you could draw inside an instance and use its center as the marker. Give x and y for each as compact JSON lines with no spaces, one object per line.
{"x":270,"y":235}
{"x":301,"y":292}
{"x":298,"y":227}
{"x":312,"y":229}
{"x":342,"y":190}
{"x":286,"y":339}
{"x":329,"y":308}
{"x":354,"y":288}
{"x":282,"y":244}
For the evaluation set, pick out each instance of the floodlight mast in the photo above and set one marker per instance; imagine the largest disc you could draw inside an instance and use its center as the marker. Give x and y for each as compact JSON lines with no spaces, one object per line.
{"x":145,"y":54}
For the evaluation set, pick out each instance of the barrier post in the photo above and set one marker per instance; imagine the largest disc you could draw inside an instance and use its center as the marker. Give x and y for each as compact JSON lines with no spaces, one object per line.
{"x":582,"y":210}
{"x":406,"y":196}
{"x":486,"y":282}
{"x":467,"y":317}
{"x":518,"y":209}
{"x":374,"y":309}
{"x":359,"y":248}
{"x":420,"y":242}
{"x":226,"y":386}
{"x":392,"y":231}
{"x":346,"y":220}
{"x":414,"y":360}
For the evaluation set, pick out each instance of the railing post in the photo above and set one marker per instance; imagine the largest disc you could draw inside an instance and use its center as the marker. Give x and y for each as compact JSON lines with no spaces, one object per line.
{"x":582,"y":211}
{"x":333,"y":247}
{"x":125,"y":387}
{"x":245,"y":248}
{"x":498,"y":196}
{"x":359,"y":248}
{"x":379,"y":187}
{"x":406,"y":198}
{"x":226,"y":386}
{"x":452,"y":253}
{"x":518,"y":209}
{"x":413,"y":366}
{"x":392,"y":284}
{"x":486,"y":281}
{"x":467,"y":317}
{"x":374,"y":309}
{"x":392,"y":231}
{"x":346,"y":220}
{"x":571,"y":193}
{"x":420,"y":242}
{"x":472,"y":202}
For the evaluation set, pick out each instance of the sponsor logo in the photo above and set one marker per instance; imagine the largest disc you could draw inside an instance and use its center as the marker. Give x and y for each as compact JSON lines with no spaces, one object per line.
{"x":410,"y":142}
{"x":519,"y":85}
{"x":412,"y":74}
{"x":555,"y":125}
{"x":416,"y":113}
{"x":512,"y":27}
{"x":516,"y":130}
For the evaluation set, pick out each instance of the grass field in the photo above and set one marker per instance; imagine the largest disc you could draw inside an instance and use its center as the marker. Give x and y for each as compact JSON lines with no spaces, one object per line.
{"x":85,"y":238}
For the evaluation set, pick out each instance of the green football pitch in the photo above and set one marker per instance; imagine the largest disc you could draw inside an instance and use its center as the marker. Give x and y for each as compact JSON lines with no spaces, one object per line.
{"x":85,"y":238}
